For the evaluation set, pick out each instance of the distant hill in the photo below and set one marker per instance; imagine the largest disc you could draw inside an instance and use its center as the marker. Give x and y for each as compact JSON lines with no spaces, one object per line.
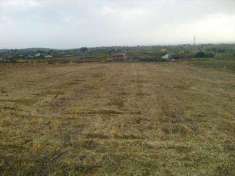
{"x":145,"y":53}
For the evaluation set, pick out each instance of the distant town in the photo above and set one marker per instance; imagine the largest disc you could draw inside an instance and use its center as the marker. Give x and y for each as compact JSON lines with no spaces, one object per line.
{"x":137,"y":53}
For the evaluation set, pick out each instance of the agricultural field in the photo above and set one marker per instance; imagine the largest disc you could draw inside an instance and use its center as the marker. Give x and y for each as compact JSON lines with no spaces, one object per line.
{"x":117,"y":119}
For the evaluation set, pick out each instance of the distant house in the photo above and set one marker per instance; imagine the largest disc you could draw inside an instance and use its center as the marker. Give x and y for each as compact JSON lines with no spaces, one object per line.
{"x":48,"y":56}
{"x":38,"y":55}
{"x":167,"y":56}
{"x":119,"y":57}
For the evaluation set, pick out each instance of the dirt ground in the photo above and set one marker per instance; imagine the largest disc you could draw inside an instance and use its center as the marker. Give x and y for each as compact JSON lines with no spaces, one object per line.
{"x":116,"y":119}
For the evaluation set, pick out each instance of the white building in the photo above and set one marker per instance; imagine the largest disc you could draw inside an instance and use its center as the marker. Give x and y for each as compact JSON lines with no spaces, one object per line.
{"x":38,"y":55}
{"x":48,"y":56}
{"x":166,"y":56}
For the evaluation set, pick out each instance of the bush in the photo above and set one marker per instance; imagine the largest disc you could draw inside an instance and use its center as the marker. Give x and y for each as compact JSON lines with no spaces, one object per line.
{"x":202,"y":54}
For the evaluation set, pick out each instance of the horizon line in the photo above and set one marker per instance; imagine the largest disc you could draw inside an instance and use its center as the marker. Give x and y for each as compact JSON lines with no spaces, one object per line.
{"x":128,"y":46}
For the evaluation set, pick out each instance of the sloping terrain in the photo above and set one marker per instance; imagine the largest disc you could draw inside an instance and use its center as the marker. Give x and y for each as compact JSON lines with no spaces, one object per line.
{"x":116,"y":119}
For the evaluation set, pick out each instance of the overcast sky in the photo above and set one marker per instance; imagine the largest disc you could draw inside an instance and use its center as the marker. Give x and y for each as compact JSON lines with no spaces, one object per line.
{"x":76,"y":23}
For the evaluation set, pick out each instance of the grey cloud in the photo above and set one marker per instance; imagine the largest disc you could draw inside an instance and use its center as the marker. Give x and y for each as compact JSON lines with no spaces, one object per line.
{"x":75,"y":23}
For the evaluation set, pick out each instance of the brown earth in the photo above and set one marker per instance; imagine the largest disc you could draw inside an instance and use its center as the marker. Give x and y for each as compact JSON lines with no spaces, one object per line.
{"x":116,"y":119}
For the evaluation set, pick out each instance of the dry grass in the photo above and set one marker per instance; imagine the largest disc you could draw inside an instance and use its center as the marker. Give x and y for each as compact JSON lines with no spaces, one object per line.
{"x":116,"y":119}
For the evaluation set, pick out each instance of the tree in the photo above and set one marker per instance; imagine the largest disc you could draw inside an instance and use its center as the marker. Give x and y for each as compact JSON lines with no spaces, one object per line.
{"x":202,"y":54}
{"x":84,"y":49}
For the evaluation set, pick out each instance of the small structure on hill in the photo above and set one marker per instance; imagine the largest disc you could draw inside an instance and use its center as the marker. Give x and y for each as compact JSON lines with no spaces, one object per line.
{"x":119,"y":57}
{"x":167,"y":56}
{"x":48,"y":56}
{"x":38,"y":55}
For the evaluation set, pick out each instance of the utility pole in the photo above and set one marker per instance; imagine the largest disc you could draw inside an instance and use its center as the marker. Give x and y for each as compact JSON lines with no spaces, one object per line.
{"x":194,"y":40}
